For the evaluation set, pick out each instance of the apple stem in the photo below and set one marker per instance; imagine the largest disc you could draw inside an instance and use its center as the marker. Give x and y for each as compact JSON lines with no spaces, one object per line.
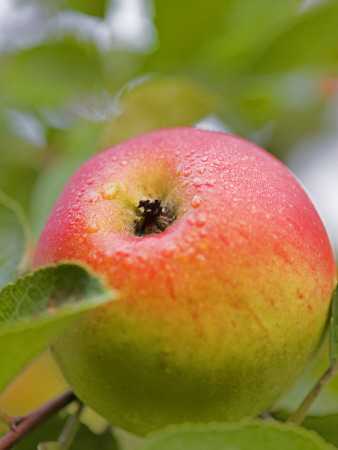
{"x":153,"y":219}
{"x":298,"y":416}
{"x":21,"y":426}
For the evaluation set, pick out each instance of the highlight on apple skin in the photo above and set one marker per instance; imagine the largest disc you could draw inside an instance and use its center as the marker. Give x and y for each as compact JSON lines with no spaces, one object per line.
{"x":225,"y":273}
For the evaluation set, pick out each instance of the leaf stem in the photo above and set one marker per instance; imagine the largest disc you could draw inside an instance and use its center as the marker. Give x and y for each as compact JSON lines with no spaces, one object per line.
{"x":21,"y":426}
{"x":69,"y":432}
{"x":298,"y":416}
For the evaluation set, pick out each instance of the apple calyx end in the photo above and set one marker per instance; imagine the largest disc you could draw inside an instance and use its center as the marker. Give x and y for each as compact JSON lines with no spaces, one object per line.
{"x":153,"y":219}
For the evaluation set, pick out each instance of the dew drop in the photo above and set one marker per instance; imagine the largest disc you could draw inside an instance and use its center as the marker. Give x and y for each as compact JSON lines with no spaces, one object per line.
{"x":93,"y":197}
{"x":200,"y":257}
{"x":196,"y":201}
{"x":191,"y":220}
{"x":92,"y":226}
{"x":197,"y":182}
{"x":109,"y":191}
{"x":185,"y":183}
{"x":168,"y":251}
{"x":124,"y":163}
{"x":187,"y":173}
{"x":114,"y":158}
{"x":204,"y":158}
{"x":200,"y":221}
{"x":201,"y":170}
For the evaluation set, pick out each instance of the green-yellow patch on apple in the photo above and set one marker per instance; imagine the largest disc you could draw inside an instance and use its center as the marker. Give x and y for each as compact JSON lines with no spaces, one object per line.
{"x":225,"y":272}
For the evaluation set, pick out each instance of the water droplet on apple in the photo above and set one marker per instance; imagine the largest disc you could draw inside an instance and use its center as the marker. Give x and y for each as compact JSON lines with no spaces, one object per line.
{"x":197,"y":182}
{"x":201,"y":170}
{"x":196,"y":201}
{"x":187,"y":173}
{"x":201,"y":219}
{"x":93,"y":197}
{"x":191,"y":220}
{"x":200,"y":257}
{"x":204,"y":158}
{"x":92,"y":226}
{"x":185,"y":183}
{"x":109,"y":191}
{"x":168,"y":251}
{"x":124,"y":163}
{"x":114,"y":158}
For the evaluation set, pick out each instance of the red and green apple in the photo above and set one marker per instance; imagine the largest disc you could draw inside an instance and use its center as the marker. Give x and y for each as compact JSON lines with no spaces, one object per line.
{"x":224,"y":271}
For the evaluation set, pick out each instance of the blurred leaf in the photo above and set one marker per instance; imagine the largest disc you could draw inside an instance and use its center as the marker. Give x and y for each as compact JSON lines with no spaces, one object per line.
{"x":248,"y":27}
{"x":49,"y":75}
{"x":325,"y":426}
{"x":37,"y":307}
{"x":50,"y":446}
{"x":334,"y":329}
{"x":13,"y":238}
{"x":50,"y":430}
{"x":47,"y":431}
{"x":184,"y":26}
{"x":310,"y":40}
{"x":158,"y":103}
{"x":92,"y":8}
{"x":16,"y":181}
{"x":240,"y":436}
{"x":87,"y":440}
{"x":75,"y":145}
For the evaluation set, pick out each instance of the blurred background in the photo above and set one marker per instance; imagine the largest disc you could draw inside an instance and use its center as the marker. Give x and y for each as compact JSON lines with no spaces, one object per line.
{"x":78,"y":76}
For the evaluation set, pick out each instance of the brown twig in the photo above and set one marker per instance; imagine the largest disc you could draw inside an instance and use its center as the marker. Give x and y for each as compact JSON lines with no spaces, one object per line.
{"x":24,"y":425}
{"x":298,"y":416}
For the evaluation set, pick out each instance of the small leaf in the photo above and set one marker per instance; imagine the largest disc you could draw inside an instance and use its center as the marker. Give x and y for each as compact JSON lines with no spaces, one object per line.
{"x":37,"y":307}
{"x":254,"y":435}
{"x":334,"y":329}
{"x":158,"y":102}
{"x":13,"y":236}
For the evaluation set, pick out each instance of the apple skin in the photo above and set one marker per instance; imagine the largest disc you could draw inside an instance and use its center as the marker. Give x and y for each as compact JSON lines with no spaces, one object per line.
{"x":217,"y":315}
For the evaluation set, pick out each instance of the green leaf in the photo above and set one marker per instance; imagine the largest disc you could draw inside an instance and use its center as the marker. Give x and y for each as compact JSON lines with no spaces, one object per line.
{"x":96,"y":8}
{"x":49,"y":75}
{"x":325,"y":426}
{"x":334,"y":329}
{"x":37,"y":307}
{"x":75,"y":145}
{"x":13,"y":237}
{"x":87,"y":440}
{"x":47,"y":431}
{"x":184,"y":26}
{"x":45,"y":437}
{"x":50,"y":446}
{"x":158,"y":103}
{"x":310,"y":40}
{"x":255,"y":435}
{"x":248,"y":26}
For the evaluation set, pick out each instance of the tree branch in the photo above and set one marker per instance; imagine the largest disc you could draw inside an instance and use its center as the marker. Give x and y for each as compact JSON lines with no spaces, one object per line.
{"x":21,"y":426}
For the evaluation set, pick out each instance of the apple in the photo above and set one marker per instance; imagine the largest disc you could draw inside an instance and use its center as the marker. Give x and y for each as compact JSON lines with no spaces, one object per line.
{"x":225,"y":274}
